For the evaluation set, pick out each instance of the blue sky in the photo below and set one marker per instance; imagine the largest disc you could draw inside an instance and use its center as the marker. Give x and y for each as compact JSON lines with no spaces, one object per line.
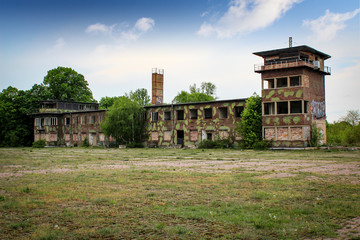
{"x":115,"y":44}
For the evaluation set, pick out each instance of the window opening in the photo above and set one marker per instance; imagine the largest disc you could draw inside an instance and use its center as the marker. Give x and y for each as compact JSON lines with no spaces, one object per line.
{"x":193,"y":114}
{"x":167,"y":115}
{"x":209,"y":136}
{"x":83,"y":120}
{"x":269,"y":83}
{"x":306,"y":104}
{"x":180,"y":114}
{"x":154,"y":116}
{"x":238,"y":111}
{"x":223,"y":113}
{"x":67,"y":121}
{"x":92,"y":119}
{"x":269,"y":108}
{"x":295,"y":107}
{"x":295,"y":81}
{"x":281,"y":82}
{"x":180,"y":137}
{"x":282,"y":108}
{"x":208,"y":113}
{"x":53,"y":121}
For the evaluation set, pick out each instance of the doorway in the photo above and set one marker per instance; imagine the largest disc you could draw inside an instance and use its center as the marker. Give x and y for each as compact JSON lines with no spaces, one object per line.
{"x":180,"y":137}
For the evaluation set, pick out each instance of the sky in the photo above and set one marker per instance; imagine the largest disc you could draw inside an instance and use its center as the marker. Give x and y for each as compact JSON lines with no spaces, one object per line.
{"x":115,"y":44}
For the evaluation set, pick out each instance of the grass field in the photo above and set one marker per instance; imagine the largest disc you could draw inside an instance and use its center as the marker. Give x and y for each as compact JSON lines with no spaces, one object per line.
{"x":76,"y":193}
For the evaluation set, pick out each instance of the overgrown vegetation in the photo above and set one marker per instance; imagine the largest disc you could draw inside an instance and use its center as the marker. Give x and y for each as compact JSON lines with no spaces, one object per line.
{"x":316,"y":136}
{"x":210,"y":144}
{"x":250,"y":125}
{"x":41,"y":143}
{"x":345,"y":132}
{"x":203,"y":94}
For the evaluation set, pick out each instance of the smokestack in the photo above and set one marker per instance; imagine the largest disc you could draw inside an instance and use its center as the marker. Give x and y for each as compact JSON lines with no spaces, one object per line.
{"x":157,"y":86}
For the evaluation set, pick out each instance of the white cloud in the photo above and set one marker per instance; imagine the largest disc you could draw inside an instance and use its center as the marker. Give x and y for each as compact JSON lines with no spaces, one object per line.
{"x":141,"y":26}
{"x":326,"y":27}
{"x":59,"y":44}
{"x":144,"y":24}
{"x":99,"y":28}
{"x":244,"y":16}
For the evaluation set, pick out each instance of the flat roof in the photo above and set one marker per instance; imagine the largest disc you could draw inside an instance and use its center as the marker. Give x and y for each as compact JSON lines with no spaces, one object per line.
{"x":197,"y":103}
{"x":292,"y":49}
{"x":65,"y":101}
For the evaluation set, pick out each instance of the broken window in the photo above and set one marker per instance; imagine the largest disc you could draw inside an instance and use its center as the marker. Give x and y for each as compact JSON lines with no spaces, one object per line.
{"x":193,"y":114}
{"x":37,"y":122}
{"x":81,"y":107}
{"x":53,"y":121}
{"x":208,"y":113}
{"x":282,"y":108}
{"x":67,"y":121}
{"x":154,"y":116}
{"x":83,"y":120}
{"x":238,"y":111}
{"x":167,"y":115}
{"x":281,"y":82}
{"x":295,"y":81}
{"x":295,"y":107}
{"x":269,"y":108}
{"x":180,"y":114}
{"x":92,"y":119}
{"x":269,"y":83}
{"x":223,"y":113}
{"x":47,"y":121}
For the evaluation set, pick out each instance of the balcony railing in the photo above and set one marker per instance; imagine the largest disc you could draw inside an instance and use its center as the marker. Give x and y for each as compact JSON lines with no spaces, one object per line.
{"x":289,"y":64}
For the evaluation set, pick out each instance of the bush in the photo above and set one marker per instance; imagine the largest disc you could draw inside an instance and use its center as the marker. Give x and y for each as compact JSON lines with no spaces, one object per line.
{"x":41,"y":143}
{"x":262,"y":145}
{"x":135,"y":145}
{"x":85,"y":142}
{"x":209,"y":144}
{"x":316,"y":136}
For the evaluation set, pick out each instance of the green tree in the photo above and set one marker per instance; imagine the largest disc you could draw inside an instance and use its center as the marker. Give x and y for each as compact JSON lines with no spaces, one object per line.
{"x":125,"y":121}
{"x":107,"y":102}
{"x":63,"y":83}
{"x":352,"y":117}
{"x":203,"y":94}
{"x":140,"y":95}
{"x":250,"y":125}
{"x":16,"y":125}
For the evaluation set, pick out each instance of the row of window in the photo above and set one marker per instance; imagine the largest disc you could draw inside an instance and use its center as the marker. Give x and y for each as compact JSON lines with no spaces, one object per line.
{"x":282,"y":82}
{"x":53,"y":121}
{"x":208,"y":114}
{"x":40,"y":122}
{"x":286,"y":107}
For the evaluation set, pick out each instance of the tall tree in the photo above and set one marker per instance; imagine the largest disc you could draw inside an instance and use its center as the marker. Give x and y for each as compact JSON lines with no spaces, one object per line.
{"x":125,"y":121}
{"x":203,"y":94}
{"x":64,"y":83}
{"x":140,"y":95}
{"x":250,"y":125}
{"x":352,"y":117}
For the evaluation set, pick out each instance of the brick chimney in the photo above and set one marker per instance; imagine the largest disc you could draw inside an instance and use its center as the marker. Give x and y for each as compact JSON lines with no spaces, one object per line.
{"x":157,"y":86}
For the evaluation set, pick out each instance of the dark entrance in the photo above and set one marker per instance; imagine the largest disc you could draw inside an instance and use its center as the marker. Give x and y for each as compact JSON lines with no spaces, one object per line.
{"x":180,"y":137}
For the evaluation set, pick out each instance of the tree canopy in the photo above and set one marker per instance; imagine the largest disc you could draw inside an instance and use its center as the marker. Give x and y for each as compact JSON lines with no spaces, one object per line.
{"x":250,"y":125}
{"x":205,"y":93}
{"x":125,"y":121}
{"x":64,"y":83}
{"x":139,"y":95}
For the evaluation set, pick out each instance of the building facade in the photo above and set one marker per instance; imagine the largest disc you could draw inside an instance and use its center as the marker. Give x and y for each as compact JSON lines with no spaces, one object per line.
{"x":293,"y":102}
{"x":293,"y":94}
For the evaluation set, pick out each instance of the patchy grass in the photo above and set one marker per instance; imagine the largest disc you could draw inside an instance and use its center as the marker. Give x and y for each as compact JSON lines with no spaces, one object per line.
{"x":77,"y":193}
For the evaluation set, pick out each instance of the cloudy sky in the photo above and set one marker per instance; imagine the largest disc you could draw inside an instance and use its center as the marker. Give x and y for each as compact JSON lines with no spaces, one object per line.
{"x":115,"y":44}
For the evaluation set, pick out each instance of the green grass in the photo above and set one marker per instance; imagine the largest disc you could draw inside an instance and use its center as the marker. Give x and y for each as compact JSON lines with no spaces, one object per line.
{"x":77,"y":193}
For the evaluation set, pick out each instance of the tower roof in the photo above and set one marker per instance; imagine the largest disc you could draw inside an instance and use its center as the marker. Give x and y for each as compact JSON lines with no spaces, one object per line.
{"x":292,"y":49}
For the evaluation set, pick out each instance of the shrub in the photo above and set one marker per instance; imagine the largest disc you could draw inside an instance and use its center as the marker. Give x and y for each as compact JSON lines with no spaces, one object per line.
{"x":209,"y":144}
{"x":85,"y":142}
{"x":316,"y":135}
{"x":135,"y":145}
{"x":261,"y":145}
{"x":41,"y":143}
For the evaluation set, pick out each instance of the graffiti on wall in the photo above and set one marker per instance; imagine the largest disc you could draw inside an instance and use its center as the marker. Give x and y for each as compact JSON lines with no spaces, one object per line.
{"x":317,"y":109}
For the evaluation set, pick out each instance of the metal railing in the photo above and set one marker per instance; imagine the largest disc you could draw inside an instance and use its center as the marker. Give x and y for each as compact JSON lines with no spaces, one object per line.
{"x":288,"y":64}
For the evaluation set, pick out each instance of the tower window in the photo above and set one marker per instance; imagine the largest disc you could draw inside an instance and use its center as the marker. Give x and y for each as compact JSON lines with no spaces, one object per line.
{"x":269,"y":108}
{"x":269,"y":83}
{"x":282,"y":108}
{"x":295,"y":107}
{"x":281,"y":82}
{"x":295,"y":81}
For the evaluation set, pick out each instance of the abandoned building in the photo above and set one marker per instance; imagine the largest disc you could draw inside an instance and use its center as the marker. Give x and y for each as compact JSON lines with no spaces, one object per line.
{"x":293,"y":99}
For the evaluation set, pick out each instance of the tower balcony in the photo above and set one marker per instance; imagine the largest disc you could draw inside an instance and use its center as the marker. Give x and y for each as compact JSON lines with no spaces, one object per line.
{"x":292,"y":64}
